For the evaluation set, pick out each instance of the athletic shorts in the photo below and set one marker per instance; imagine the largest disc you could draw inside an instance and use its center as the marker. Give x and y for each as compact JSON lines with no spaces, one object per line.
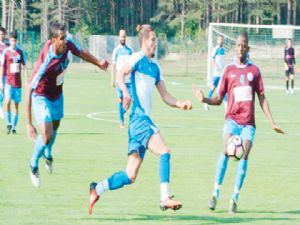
{"x":289,"y":71}
{"x":120,"y":92}
{"x":12,"y":93}
{"x":45,"y":110}
{"x":246,"y":132}
{"x":140,"y":129}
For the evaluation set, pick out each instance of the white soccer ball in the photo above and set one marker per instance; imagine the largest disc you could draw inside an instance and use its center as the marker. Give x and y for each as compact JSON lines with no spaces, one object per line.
{"x":235,"y":147}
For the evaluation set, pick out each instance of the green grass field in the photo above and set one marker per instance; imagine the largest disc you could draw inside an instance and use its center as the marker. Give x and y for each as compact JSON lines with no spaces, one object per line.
{"x":91,"y":149}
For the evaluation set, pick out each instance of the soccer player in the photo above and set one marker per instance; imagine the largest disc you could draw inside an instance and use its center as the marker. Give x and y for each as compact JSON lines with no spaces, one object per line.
{"x":119,"y":56}
{"x":45,"y":94}
{"x":3,"y":46}
{"x":289,"y":62}
{"x":13,"y":61}
{"x":143,"y":134}
{"x":217,"y":61}
{"x":240,"y":82}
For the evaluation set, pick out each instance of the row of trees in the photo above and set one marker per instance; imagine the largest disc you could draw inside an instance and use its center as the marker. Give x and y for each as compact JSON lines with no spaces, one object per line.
{"x":171,"y":17}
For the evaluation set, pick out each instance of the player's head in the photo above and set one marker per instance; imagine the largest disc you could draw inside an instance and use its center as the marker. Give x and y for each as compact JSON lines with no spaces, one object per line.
{"x":2,"y":33}
{"x":13,"y":38}
{"x":122,"y":36}
{"x":220,"y":41}
{"x":147,"y":39}
{"x":58,"y":37}
{"x":242,"y":47}
{"x":289,"y":43}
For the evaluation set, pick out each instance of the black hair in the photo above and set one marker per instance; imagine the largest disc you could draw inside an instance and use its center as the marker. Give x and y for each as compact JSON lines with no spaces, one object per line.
{"x":55,"y":27}
{"x":3,"y":30}
{"x":14,"y":34}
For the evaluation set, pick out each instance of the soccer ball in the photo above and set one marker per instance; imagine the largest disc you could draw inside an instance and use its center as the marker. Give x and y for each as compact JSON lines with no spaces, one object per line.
{"x":235,"y":147}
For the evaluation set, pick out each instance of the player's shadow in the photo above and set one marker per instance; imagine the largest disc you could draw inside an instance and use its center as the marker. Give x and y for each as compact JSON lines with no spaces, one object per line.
{"x":197,"y":219}
{"x":81,"y":133}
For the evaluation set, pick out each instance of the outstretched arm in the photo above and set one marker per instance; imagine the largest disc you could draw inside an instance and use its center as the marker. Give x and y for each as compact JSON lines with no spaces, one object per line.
{"x":266,"y":109}
{"x":85,"y":55}
{"x":170,"y":100}
{"x":126,"y":69}
{"x":210,"y":101}
{"x":113,"y":74}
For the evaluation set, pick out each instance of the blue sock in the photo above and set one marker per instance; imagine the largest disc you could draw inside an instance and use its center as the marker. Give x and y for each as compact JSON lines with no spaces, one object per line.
{"x":16,"y":119}
{"x":39,"y":149}
{"x":210,"y":93}
{"x":240,"y":177}
{"x":164,"y":168}
{"x":8,"y":118}
{"x":48,"y":150}
{"x":118,"y":180}
{"x":121,"y":112}
{"x":220,"y":173}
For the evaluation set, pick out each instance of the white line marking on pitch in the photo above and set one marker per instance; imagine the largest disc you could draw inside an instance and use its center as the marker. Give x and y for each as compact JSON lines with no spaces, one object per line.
{"x":97,"y":116}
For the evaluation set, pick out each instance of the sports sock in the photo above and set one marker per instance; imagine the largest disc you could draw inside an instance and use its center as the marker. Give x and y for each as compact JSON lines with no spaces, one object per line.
{"x":210,"y":93}
{"x":240,"y":177}
{"x":292,"y":85}
{"x":48,"y":149}
{"x":220,"y":173}
{"x":287,"y":85}
{"x":16,"y":119}
{"x":39,"y":148}
{"x":118,"y":180}
{"x":164,"y":173}
{"x":8,"y":118}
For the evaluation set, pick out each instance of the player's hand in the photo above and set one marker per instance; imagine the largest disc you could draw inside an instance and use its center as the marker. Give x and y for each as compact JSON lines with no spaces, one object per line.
{"x":103,"y":64}
{"x":198,"y":93}
{"x":126,"y":101}
{"x":31,"y":132}
{"x":278,"y":129}
{"x":185,"y":105}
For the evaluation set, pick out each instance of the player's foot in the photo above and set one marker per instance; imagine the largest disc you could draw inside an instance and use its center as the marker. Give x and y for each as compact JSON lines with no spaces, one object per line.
{"x":2,"y":116}
{"x":212,"y":203}
{"x":9,"y":127}
{"x":122,"y":125}
{"x":14,"y":131}
{"x":292,"y":91}
{"x":232,"y":206}
{"x":287,"y":92}
{"x":170,"y":203}
{"x":94,"y":197}
{"x":49,"y":165}
{"x":35,"y":177}
{"x":206,"y":107}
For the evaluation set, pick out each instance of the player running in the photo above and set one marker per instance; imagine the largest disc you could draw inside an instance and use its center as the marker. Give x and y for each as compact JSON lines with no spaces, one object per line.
{"x":119,"y":56}
{"x":13,"y":60}
{"x":3,"y":46}
{"x":45,"y":94}
{"x":240,"y":82}
{"x":217,"y":61}
{"x":289,"y":62}
{"x":143,"y":134}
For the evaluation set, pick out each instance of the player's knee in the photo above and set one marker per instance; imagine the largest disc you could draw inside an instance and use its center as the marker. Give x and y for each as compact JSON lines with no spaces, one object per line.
{"x":47,"y":138}
{"x":165,"y":150}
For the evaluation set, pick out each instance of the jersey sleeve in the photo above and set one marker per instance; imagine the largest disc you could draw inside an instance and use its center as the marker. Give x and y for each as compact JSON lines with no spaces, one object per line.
{"x":213,"y":53}
{"x":133,"y":60}
{"x":222,"y":90}
{"x":23,"y":57}
{"x":74,"y":47}
{"x":259,"y":86}
{"x":114,"y":55}
{"x":159,"y":76}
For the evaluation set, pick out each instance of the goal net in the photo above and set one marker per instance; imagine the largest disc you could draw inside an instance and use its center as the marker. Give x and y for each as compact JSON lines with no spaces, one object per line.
{"x":267,"y":43}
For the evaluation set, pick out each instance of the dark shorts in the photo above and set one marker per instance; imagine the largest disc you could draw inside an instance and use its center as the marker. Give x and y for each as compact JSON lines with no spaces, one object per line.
{"x":289,"y":71}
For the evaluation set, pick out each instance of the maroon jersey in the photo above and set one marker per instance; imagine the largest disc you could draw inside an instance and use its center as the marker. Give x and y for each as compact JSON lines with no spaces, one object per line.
{"x":12,"y":60}
{"x":3,"y":46}
{"x":241,"y":82}
{"x":47,"y":77}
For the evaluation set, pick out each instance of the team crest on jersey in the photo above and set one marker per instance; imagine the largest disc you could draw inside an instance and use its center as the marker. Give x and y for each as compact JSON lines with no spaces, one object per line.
{"x":242,"y":79}
{"x":250,"y":76}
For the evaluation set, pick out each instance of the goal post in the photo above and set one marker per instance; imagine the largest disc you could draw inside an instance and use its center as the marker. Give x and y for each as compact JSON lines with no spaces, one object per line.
{"x":267,"y":43}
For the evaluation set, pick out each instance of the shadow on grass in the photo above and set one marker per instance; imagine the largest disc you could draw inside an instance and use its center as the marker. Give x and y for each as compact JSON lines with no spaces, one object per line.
{"x":196,"y":219}
{"x":81,"y":133}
